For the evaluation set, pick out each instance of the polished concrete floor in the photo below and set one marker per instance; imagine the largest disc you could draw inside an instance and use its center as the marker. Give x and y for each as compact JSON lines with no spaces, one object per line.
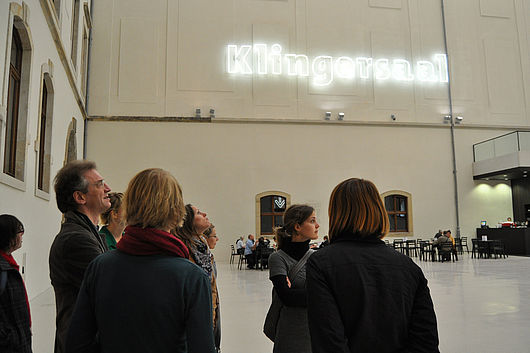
{"x":482,"y":306}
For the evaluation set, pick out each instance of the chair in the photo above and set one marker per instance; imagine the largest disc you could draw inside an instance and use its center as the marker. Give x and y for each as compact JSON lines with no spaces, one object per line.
{"x":411,"y":247}
{"x":398,"y":245}
{"x":233,"y":254}
{"x":464,"y":244}
{"x":458,"y":245}
{"x":446,"y":252}
{"x":498,"y":248}
{"x":483,"y":249}
{"x":474,"y":248}
{"x":242,"y":259}
{"x":262,"y":260}
{"x":426,"y":251}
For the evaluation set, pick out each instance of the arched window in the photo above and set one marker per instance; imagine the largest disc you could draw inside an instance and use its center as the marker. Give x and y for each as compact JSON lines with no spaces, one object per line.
{"x":398,"y":205}
{"x":270,"y":207}
{"x":45,"y":133}
{"x":17,"y":71}
{"x":74,"y":33}
{"x":71,"y":143}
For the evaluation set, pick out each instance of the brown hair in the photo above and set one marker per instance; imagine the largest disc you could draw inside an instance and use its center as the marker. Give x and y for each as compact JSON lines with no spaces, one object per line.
{"x":208,"y":231}
{"x":70,"y":179}
{"x":10,"y":226}
{"x":355,"y":206}
{"x":116,"y":199}
{"x":153,"y":199}
{"x":295,"y":214}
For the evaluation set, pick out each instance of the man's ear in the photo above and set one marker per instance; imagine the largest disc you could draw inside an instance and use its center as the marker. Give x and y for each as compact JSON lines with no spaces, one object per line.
{"x":79,"y":197}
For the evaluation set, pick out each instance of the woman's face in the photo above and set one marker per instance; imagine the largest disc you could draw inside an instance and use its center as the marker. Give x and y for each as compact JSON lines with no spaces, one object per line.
{"x":200,"y":221}
{"x":309,"y":229}
{"x":17,"y":242}
{"x":212,"y":239}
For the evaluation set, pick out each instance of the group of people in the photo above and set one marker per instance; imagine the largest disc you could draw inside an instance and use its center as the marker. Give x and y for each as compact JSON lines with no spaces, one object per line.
{"x":256,"y":252}
{"x":157,"y":291}
{"x":355,"y":294}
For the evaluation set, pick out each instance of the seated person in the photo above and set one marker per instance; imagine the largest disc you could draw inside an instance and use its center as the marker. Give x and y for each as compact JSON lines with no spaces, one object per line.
{"x":249,"y":252}
{"x":240,"y":246}
{"x":445,"y":238}
{"x":439,"y":234}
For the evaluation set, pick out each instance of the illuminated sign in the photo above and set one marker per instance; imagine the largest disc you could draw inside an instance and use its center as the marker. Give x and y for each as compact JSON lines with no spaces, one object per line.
{"x":260,"y":59}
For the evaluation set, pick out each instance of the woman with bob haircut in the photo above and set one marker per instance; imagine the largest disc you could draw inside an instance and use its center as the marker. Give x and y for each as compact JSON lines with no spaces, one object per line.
{"x":145,"y":296}
{"x":364,"y":295}
{"x":15,"y":320}
{"x":196,"y":223}
{"x":300,"y":226}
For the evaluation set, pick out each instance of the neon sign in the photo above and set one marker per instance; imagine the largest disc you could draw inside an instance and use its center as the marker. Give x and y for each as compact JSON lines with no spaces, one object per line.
{"x":261,"y":59}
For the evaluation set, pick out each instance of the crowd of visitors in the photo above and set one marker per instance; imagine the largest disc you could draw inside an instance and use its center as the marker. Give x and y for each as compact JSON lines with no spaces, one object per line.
{"x":156,"y":289}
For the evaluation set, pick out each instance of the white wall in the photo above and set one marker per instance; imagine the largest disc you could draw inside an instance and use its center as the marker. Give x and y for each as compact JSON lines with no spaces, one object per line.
{"x":40,"y":217}
{"x":166,"y":58}
{"x":221,"y":168}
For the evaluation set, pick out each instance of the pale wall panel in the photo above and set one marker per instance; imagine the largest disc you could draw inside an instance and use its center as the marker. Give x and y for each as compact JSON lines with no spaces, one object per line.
{"x":390,"y":4}
{"x":204,"y":29}
{"x":463,"y":61}
{"x":496,"y":8}
{"x":336,"y":31}
{"x":138,"y":65}
{"x":391,"y":94}
{"x":430,"y":43}
{"x":271,"y":90}
{"x":503,"y":71}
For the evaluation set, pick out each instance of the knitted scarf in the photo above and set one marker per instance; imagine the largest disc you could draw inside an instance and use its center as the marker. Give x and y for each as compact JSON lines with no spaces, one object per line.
{"x":151,"y":241}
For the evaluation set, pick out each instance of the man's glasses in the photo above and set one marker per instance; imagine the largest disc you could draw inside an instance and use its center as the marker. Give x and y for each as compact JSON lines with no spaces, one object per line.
{"x":99,"y":183}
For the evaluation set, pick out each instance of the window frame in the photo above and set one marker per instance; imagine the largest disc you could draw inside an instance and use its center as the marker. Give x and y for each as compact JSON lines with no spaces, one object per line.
{"x":258,"y":209}
{"x":74,"y":32}
{"x":408,"y":197}
{"x":17,"y":21}
{"x":13,"y":106}
{"x":43,"y":143}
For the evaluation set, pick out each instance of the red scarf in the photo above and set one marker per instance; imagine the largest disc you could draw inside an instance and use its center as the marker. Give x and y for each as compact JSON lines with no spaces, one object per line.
{"x":151,"y":241}
{"x":11,"y":260}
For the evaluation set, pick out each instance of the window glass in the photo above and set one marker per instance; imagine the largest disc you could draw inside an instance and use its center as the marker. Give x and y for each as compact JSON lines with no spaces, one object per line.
{"x":266,"y":224}
{"x":266,"y":204}
{"x":389,"y":203}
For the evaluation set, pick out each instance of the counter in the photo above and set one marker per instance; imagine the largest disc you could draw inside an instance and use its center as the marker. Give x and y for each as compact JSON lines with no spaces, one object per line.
{"x":516,"y":240}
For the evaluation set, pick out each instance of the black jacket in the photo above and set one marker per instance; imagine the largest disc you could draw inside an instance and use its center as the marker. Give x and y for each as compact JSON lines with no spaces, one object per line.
{"x":76,"y":245}
{"x":142,"y":304}
{"x":15,"y":334}
{"x":367,"y":297}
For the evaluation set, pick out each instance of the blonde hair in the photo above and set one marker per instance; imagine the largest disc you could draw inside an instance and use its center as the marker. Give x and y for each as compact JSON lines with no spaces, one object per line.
{"x":116,"y":199}
{"x":355,"y":207}
{"x":153,"y":199}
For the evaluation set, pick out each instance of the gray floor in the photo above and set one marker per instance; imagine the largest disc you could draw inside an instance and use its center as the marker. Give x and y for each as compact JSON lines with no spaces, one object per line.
{"x":482,"y":306}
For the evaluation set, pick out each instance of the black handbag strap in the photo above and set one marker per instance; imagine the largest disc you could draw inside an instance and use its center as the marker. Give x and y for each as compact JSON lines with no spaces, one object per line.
{"x":298,"y":266}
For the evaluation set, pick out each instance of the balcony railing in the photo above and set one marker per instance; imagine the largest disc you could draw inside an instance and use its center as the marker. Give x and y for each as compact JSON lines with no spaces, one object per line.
{"x":500,"y":146}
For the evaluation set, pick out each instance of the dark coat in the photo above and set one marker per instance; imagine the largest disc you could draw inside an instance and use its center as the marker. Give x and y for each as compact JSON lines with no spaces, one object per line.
{"x":76,"y":245}
{"x":15,"y":333}
{"x":142,"y":304}
{"x":367,"y":297}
